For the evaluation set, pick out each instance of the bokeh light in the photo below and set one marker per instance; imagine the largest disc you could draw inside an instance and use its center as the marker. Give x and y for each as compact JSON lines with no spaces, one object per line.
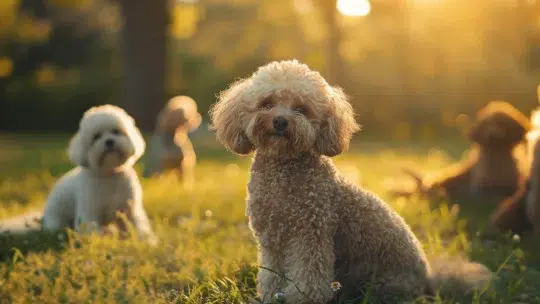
{"x":357,"y":8}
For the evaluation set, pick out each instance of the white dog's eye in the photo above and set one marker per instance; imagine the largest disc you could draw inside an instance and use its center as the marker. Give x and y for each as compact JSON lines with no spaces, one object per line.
{"x":96,"y":136}
{"x":116,"y":132}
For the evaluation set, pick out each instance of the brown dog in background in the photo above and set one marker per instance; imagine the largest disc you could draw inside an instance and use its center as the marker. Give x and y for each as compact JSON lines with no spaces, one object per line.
{"x":492,"y":166}
{"x":521,"y":211}
{"x":170,"y":147}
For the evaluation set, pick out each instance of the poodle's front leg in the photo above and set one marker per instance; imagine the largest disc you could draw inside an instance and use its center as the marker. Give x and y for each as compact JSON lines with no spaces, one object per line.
{"x":185,"y":175}
{"x":270,"y":275}
{"x":309,"y":265}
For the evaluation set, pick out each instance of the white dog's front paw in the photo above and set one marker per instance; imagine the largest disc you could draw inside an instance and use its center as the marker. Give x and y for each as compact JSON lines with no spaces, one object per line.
{"x":89,"y":228}
{"x":152,"y":240}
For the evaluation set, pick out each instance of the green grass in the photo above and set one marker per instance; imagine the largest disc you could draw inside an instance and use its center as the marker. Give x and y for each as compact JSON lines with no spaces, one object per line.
{"x":206,"y":252}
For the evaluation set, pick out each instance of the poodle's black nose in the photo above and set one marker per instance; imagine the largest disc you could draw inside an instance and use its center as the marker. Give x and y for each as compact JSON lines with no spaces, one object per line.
{"x":109,"y":143}
{"x":280,"y":123}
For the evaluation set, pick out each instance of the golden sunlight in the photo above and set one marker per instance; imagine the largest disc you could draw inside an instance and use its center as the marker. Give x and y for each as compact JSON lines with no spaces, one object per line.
{"x":354,"y":7}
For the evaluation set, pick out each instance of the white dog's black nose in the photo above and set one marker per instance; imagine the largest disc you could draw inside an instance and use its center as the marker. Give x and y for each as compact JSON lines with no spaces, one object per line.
{"x":109,"y":143}
{"x":280,"y":123}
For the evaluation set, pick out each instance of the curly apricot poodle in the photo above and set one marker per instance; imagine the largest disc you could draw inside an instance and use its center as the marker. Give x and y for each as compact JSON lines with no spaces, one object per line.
{"x":312,"y":225}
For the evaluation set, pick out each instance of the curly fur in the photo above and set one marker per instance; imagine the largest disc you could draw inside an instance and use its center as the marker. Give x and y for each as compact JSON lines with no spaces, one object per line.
{"x":494,"y":165}
{"x":104,"y":182}
{"x":521,"y":211}
{"x":313,"y":226}
{"x":170,"y":147}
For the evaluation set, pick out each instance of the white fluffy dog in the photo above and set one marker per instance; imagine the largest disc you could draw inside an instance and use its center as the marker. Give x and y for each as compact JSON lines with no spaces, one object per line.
{"x":104,"y":182}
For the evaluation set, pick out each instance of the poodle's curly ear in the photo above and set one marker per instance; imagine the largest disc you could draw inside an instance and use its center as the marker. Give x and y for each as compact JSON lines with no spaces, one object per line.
{"x":160,"y":120}
{"x":76,"y":152}
{"x":337,"y":130}
{"x":171,"y":119}
{"x":226,"y":116}
{"x":476,"y":131}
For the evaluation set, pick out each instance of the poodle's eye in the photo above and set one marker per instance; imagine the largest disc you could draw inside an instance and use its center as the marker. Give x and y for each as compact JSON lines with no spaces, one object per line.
{"x":300,"y":110}
{"x":267,"y":105}
{"x":96,"y":137}
{"x":116,"y":131}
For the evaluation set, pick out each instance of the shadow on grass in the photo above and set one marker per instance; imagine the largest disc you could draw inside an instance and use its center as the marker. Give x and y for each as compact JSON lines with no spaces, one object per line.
{"x":30,"y":242}
{"x":515,"y":258}
{"x":237,"y":288}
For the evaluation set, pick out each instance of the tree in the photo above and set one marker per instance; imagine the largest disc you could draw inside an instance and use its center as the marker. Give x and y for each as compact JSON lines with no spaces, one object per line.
{"x":334,"y":63}
{"x":52,"y":61}
{"x":143,"y":50}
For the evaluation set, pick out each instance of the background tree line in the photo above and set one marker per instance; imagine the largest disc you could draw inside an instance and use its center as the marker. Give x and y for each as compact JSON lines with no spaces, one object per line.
{"x":410,"y":66}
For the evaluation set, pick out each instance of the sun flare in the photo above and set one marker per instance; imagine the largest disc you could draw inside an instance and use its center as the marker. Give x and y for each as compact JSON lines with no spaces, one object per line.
{"x":354,"y":7}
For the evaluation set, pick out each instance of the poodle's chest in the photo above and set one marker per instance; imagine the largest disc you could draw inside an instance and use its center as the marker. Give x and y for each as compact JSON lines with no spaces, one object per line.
{"x":166,"y":146}
{"x":496,"y":172}
{"x":277,"y":209}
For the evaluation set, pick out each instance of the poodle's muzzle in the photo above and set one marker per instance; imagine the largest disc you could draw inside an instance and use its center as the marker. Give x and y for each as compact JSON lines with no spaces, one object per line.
{"x":281,"y":133}
{"x":280,"y":124}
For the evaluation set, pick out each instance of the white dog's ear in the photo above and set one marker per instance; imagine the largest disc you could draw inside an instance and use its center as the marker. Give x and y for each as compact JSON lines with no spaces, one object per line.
{"x":138,"y":141}
{"x":336,"y":131}
{"x":76,"y":153}
{"x":227,"y":116}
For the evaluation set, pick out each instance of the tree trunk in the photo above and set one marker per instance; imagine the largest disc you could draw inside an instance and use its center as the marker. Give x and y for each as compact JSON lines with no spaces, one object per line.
{"x":334,"y":64}
{"x":402,"y":51}
{"x":143,"y":52}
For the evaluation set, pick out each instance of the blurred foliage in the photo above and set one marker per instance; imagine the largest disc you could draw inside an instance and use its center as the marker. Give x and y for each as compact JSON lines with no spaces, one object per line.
{"x":55,"y":61}
{"x":412,"y":63}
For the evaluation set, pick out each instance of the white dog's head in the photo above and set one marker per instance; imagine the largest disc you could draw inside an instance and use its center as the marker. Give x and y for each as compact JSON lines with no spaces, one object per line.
{"x":107,"y":140}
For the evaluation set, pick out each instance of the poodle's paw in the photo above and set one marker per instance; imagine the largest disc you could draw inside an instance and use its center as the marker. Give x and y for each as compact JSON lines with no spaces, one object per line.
{"x":294,"y":294}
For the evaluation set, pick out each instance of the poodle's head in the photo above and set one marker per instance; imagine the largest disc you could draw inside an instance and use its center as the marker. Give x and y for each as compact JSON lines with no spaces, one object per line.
{"x":499,"y":124}
{"x":180,"y":114}
{"x":107,"y":140}
{"x":284,"y":109}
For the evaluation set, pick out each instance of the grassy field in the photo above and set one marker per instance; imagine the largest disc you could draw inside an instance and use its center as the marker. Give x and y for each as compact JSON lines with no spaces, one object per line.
{"x":206,"y":252}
